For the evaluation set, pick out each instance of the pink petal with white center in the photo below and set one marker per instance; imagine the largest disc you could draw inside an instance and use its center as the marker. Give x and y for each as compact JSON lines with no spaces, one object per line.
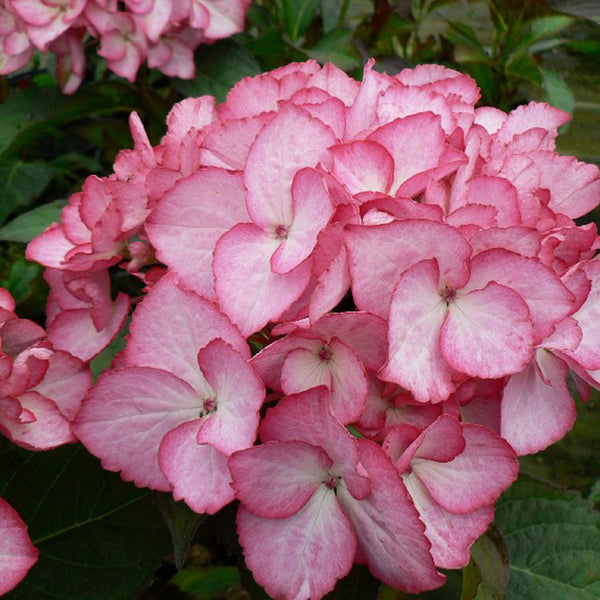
{"x":277,"y":479}
{"x":476,"y":215}
{"x":307,"y":417}
{"x":398,"y":440}
{"x":499,"y":193}
{"x":74,"y":330}
{"x":465,"y":483}
{"x":17,"y":553}
{"x":362,"y":113}
{"x":248,"y":290}
{"x":332,"y":285}
{"x":227,"y":144}
{"x":304,"y":369}
{"x":488,"y":333}
{"x":225,"y":17}
{"x":415,"y":360}
{"x":198,"y":473}
{"x":335,"y":82}
{"x":574,"y":186}
{"x":416,"y":144}
{"x":363,"y":166}
{"x":391,"y":538}
{"x":291,"y":141}
{"x":50,"y":247}
{"x":299,"y":557}
{"x":522,"y":240}
{"x":402,"y":101}
{"x":333,"y":365}
{"x":451,"y":535}
{"x":126,"y":416}
{"x":189,"y":219}
{"x":548,"y":299}
{"x":6,"y":300}
{"x":239,"y":395}
{"x":441,"y":80}
{"x":364,"y":333}
{"x":66,"y":383}
{"x":530,"y":116}
{"x":321,"y":105}
{"x":312,"y":210}
{"x":489,"y":118}
{"x":380,"y":254}
{"x":269,"y":361}
{"x":587,"y":353}
{"x":48,"y":430}
{"x":348,"y":382}
{"x":441,"y":442}
{"x":170,"y":339}
{"x":537,"y":408}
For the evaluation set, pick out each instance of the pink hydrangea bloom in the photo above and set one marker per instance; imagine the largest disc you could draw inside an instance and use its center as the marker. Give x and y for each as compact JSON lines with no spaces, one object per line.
{"x":405,"y":266}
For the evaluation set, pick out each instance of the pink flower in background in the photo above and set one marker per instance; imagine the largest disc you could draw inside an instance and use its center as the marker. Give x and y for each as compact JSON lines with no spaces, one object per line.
{"x":161,"y":32}
{"x":41,"y":387}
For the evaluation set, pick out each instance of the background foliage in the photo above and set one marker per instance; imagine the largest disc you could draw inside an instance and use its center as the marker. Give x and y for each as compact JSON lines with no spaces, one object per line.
{"x":101,"y":538}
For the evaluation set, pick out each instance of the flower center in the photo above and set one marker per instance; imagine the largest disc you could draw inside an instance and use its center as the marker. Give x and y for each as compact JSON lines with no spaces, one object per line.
{"x":331,"y":481}
{"x":281,"y":232}
{"x":325,"y":354}
{"x":209,"y":405}
{"x":448,"y":294}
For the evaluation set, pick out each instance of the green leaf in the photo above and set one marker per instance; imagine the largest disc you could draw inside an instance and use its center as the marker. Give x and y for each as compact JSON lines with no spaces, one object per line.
{"x":220,"y":67}
{"x":336,"y":47}
{"x":463,"y":35}
{"x":553,"y":537}
{"x":523,"y":66}
{"x":588,"y":9}
{"x":183,"y":523}
{"x":206,"y":583}
{"x":297,"y":15}
{"x":27,"y":115}
{"x":99,"y":538}
{"x":549,"y":25}
{"x":26,"y":226}
{"x":486,"y":575}
{"x":20,"y":276}
{"x":558,"y":93}
{"x":20,"y":183}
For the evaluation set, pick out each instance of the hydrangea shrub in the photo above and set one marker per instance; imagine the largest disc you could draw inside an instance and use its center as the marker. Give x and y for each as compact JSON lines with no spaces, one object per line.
{"x":361,"y":303}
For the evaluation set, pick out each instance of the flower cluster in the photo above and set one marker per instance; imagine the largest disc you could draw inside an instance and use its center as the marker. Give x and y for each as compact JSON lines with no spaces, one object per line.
{"x":408,"y":272}
{"x":41,"y":390}
{"x":164,"y":33}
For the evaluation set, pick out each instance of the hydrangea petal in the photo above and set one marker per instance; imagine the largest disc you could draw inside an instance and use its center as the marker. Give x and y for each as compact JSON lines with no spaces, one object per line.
{"x":391,"y":537}
{"x":189,"y":219}
{"x":299,"y":557}
{"x":278,"y":478}
{"x":417,"y":313}
{"x":135,"y":408}
{"x":248,"y":290}
{"x":450,"y":534}
{"x":198,"y":472}
{"x":488,"y":333}
{"x":17,"y":553}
